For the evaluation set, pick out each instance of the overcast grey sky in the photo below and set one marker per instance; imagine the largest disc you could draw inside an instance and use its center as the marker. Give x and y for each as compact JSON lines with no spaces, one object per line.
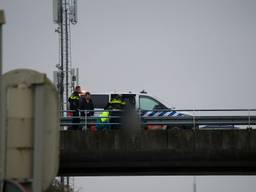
{"x":189,"y":53}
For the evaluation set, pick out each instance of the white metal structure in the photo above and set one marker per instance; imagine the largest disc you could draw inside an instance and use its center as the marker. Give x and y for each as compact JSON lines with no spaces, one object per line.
{"x":31,"y":122}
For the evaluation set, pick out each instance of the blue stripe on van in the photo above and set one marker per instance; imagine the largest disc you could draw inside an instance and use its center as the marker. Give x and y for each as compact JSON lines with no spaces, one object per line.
{"x":152,"y":113}
{"x":172,"y":113}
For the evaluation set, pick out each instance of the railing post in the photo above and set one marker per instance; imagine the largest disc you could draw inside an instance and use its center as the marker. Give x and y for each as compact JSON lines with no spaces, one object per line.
{"x":194,"y":121}
{"x":249,"y":119}
{"x":85,"y":120}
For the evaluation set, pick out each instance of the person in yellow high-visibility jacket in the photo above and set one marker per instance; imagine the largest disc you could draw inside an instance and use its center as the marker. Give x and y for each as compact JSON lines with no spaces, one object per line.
{"x":115,"y":107}
{"x":103,"y":121}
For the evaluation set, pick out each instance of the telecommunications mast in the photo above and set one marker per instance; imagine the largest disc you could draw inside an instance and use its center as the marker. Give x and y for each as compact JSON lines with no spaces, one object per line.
{"x":64,"y":14}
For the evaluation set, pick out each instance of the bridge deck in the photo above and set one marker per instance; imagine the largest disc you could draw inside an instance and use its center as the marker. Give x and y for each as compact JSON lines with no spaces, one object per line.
{"x":172,"y":152}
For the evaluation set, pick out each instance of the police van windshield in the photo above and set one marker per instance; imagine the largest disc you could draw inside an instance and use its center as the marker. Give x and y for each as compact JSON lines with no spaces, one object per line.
{"x":149,"y":103}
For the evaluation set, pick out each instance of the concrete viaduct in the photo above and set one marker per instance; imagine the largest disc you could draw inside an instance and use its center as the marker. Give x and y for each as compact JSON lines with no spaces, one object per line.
{"x":170,"y":152}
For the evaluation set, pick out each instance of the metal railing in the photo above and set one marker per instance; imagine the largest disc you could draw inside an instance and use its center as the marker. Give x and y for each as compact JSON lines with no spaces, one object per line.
{"x":248,"y":118}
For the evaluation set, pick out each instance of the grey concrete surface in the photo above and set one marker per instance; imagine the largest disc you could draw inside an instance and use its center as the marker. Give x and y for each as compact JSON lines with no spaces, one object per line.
{"x":172,"y":152}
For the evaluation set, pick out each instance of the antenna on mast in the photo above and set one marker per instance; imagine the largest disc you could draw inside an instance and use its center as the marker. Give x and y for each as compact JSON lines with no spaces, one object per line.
{"x":73,"y":12}
{"x":64,"y":14}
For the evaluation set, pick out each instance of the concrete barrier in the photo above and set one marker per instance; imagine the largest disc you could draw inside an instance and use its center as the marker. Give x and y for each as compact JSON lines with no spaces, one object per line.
{"x":172,"y":152}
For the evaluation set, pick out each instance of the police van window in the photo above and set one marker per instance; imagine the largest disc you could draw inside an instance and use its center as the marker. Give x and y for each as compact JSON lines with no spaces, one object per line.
{"x":100,"y":100}
{"x":148,"y":103}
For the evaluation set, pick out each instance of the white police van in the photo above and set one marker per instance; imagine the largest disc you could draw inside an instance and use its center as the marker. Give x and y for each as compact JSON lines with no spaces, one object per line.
{"x":147,"y":105}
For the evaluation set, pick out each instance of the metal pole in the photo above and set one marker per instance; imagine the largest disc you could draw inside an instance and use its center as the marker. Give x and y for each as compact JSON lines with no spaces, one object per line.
{"x":2,"y":126}
{"x":67,"y":52}
{"x":77,"y":76}
{"x":61,"y":91}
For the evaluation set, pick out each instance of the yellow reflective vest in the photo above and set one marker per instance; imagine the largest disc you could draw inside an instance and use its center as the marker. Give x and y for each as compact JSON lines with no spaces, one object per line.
{"x":104,"y":116}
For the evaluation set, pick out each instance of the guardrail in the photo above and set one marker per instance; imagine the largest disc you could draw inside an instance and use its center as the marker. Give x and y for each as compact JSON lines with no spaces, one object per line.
{"x":188,"y":121}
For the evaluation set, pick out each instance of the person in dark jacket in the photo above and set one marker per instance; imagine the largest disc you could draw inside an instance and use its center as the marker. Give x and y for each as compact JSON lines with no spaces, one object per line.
{"x":74,"y":101}
{"x":86,"y":106}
